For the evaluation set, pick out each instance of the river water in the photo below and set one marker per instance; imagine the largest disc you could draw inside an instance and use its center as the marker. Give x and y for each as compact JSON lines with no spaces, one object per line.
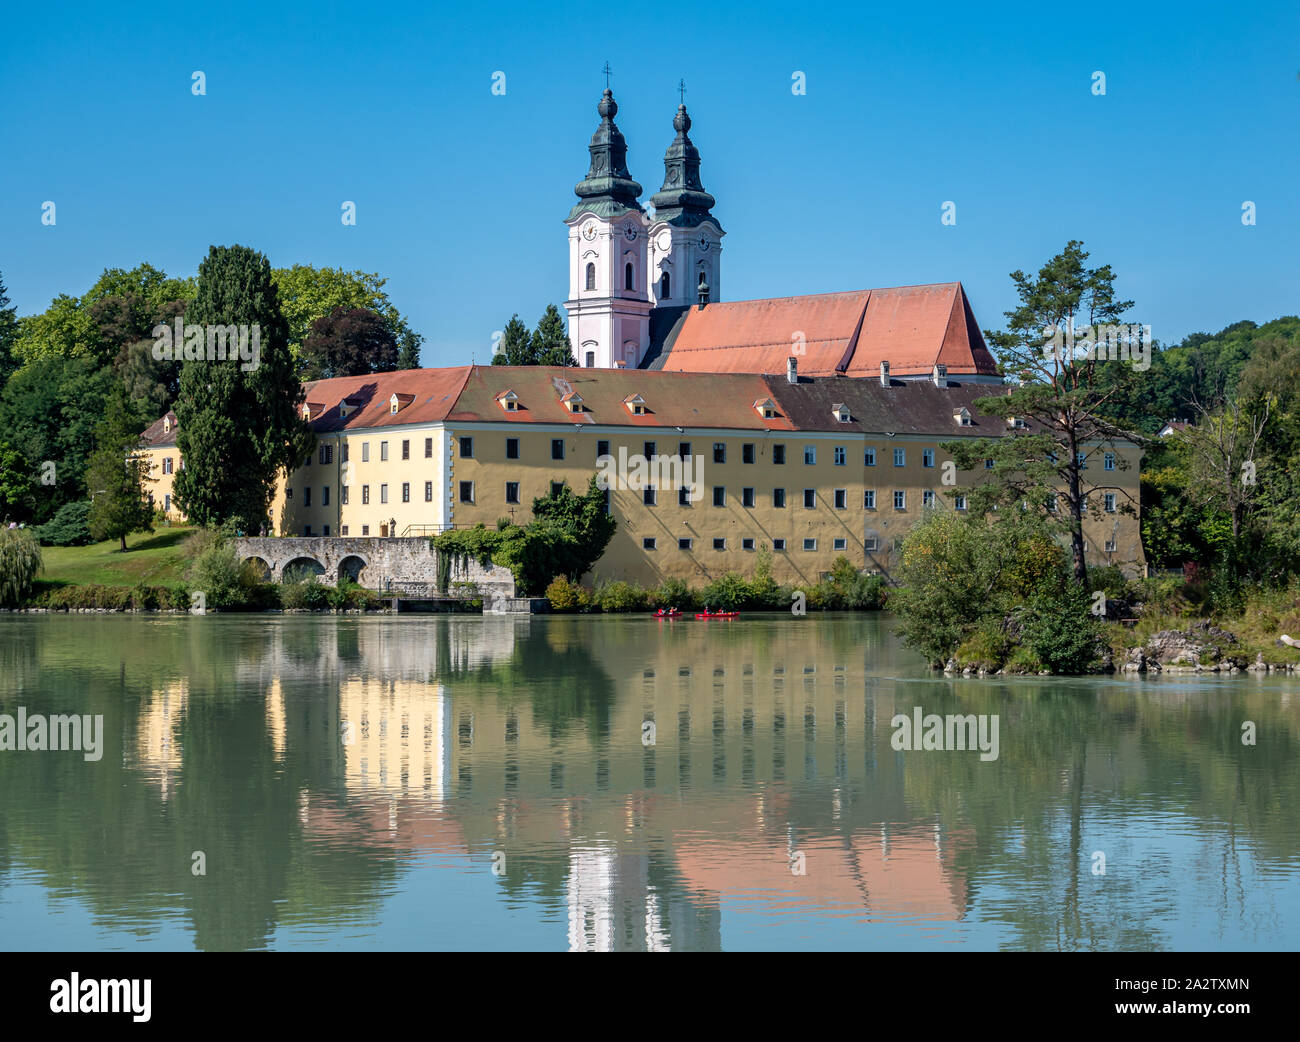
{"x":449,"y":782}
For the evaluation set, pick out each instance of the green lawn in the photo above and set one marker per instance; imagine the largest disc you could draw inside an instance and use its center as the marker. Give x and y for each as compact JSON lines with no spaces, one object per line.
{"x":155,"y":560}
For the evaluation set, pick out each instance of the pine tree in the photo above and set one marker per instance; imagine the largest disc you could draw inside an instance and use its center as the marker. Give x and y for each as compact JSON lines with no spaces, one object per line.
{"x":240,"y":422}
{"x":515,"y":347}
{"x":551,"y":344}
{"x":8,"y":334}
{"x":116,"y":475}
{"x":408,"y":351}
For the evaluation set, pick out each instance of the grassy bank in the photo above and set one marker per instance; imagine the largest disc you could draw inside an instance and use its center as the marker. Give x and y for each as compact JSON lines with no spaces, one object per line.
{"x":156,"y":559}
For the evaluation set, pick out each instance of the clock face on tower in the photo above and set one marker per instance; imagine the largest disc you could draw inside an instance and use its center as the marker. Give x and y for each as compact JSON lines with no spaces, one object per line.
{"x":629,"y":233}
{"x":589,"y":232}
{"x":704,"y":244}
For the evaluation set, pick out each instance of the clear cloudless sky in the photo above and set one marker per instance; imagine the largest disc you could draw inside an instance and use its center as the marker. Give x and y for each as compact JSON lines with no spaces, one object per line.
{"x":460,"y":193}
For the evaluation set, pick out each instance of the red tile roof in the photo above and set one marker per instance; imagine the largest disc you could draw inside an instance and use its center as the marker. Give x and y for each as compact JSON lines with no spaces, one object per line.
{"x":430,"y":394}
{"x":911,"y":327}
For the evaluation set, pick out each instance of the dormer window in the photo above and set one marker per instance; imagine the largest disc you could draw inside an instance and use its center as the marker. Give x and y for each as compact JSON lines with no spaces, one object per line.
{"x":573,"y":402}
{"x":1015,"y":423}
{"x":348,"y":406}
{"x":842,"y":412}
{"x":635,"y":405}
{"x":311,"y":410}
{"x":961,"y":417}
{"x":398,"y":402}
{"x":168,"y":424}
{"x":509,"y":401}
{"x":765,"y":408}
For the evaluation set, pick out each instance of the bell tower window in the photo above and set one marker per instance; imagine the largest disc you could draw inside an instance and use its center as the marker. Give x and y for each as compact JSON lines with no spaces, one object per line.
{"x":627,"y":278}
{"x":591,"y":276}
{"x":664,"y":294}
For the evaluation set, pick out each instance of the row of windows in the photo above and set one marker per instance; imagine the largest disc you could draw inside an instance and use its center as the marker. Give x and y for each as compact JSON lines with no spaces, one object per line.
{"x":748,"y":453}
{"x":652,"y":543}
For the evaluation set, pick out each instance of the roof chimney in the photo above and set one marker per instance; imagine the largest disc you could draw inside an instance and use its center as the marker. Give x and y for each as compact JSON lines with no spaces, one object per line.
{"x":940,"y":375}
{"x":884,"y":374}
{"x":792,"y":369}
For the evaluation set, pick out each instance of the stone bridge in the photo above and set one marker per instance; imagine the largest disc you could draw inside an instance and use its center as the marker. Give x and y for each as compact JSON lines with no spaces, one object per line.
{"x":406,"y":566}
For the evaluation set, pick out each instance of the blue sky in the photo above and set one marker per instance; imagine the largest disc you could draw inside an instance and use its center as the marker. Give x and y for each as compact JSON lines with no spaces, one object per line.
{"x":460,"y":194}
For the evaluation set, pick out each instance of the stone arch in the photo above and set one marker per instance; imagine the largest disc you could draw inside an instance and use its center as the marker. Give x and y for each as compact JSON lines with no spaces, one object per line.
{"x":299,"y":568}
{"x":262,"y":565}
{"x":353,"y":566}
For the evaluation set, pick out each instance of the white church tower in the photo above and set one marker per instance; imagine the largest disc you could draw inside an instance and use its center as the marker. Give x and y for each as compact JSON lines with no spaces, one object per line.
{"x":608,"y":305}
{"x":685,"y":237}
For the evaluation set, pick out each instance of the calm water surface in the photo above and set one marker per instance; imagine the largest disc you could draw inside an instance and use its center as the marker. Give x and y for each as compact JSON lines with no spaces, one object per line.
{"x":465,"y":782}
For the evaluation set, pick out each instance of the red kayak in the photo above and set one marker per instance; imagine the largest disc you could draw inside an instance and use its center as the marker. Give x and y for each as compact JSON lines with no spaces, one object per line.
{"x":717,"y":614}
{"x":671,"y":614}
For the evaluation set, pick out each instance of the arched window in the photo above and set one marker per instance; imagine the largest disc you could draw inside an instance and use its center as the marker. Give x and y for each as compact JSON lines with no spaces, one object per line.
{"x":664,"y":294}
{"x":627,"y":278}
{"x":591,"y":276}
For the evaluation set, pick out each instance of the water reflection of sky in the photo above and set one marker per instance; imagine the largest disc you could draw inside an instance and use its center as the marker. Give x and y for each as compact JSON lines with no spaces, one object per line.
{"x":368,"y":774}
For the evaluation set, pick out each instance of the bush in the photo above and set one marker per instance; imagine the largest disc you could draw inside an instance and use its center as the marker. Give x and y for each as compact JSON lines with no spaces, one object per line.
{"x":306,"y":594}
{"x":565,"y":595}
{"x":671,"y":593}
{"x":620,"y":597}
{"x":68,"y":527}
{"x":218,"y":574}
{"x":20,"y":561}
{"x":728,"y":592}
{"x":847,"y":589}
{"x":350,"y":594}
{"x":1060,"y":630}
{"x":986,"y":648}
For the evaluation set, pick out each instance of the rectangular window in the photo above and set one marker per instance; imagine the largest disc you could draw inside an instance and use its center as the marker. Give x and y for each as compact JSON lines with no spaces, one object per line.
{"x":683,"y":544}
{"x":1051,"y":504}
{"x":365,"y":529}
{"x":167,"y":464}
{"x":1110,"y":546}
{"x":288,"y":493}
{"x":683,"y":496}
{"x":900,"y":499}
{"x":719,"y":495}
{"x":343,"y":494}
{"x":841,"y":455}
{"x":325,"y":530}
{"x":747,"y":544}
{"x":557,"y":448}
{"x":649,"y":495}
{"x":306,"y":496}
{"x":428,"y":448}
{"x":327,"y":453}
{"x":383,"y":450}
{"x":343,"y":530}
{"x":1110,"y":502}
{"x":558,"y":486}
{"x":466,"y":448}
{"x":988,"y":464}
{"x":428,"y":491}
{"x":467,"y":492}
{"x":365,"y":494}
{"x":778,"y":544}
{"x":346,"y":454}
{"x":746,"y":497}
{"x":778,"y":498}
{"x":810,"y":498}
{"x":365,"y":452}
{"x":383,"y":493}
{"x":306,"y":529}
{"x":869,"y":499}
{"x":810,"y":454}
{"x":871,"y":544}
{"x":406,"y":491}
{"x":778,"y":454}
{"x":649,"y":450}
{"x":512,"y":492}
{"x":719,"y":452}
{"x":512,"y":448}
{"x":841,"y":499}
{"x":810,"y":544}
{"x":869,"y":458}
{"x":747,"y":452}
{"x":959,"y":502}
{"x":602,"y":449}
{"x":900,"y":457}
{"x":927,"y":457}
{"x":1082,"y":459}
{"x":684,"y":449}
{"x":406,"y":448}
{"x":927,"y":498}
{"x":648,"y":543}
{"x":1108,"y":461}
{"x":167,"y":502}
{"x":840,"y":544}
{"x":325,"y":496}
{"x":719,"y":544}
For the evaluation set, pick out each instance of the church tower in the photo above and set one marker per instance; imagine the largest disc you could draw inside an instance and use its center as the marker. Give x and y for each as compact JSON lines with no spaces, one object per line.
{"x":685,"y":237}
{"x":609,"y":308}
